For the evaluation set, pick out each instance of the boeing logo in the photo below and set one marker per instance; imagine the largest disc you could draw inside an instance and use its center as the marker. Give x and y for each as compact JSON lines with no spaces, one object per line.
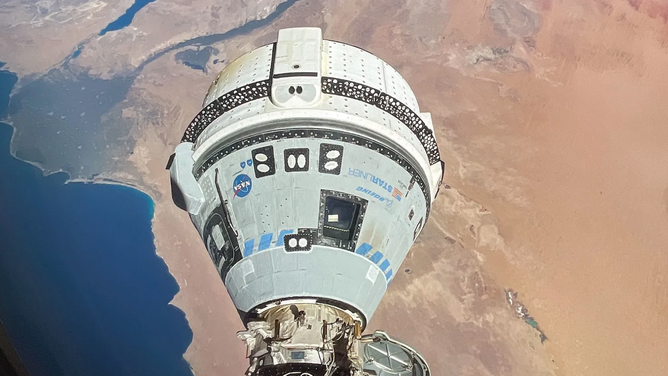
{"x":388,"y":202}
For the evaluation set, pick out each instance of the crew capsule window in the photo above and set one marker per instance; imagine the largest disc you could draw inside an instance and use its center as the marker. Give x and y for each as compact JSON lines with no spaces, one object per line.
{"x":340,"y":218}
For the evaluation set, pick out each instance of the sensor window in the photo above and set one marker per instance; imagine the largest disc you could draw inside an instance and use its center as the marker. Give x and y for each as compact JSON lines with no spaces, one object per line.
{"x":340,"y":218}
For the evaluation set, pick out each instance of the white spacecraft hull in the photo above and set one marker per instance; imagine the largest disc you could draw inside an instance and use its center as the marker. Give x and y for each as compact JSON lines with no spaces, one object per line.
{"x":309,"y":174}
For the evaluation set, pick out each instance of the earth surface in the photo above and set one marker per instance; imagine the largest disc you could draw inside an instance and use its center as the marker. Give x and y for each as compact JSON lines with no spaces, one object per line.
{"x":550,"y":114}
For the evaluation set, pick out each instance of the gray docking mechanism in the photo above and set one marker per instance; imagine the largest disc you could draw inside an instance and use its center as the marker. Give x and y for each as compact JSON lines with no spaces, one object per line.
{"x":309,"y":173}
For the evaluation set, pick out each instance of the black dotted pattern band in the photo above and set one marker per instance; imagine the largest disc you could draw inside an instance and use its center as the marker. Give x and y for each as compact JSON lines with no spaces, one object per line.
{"x":222,"y":104}
{"x":330,"y":85}
{"x":318,"y":134}
{"x":389,"y":104}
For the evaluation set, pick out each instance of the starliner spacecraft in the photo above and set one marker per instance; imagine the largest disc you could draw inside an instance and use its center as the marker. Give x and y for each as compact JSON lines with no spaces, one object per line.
{"x":309,"y":173}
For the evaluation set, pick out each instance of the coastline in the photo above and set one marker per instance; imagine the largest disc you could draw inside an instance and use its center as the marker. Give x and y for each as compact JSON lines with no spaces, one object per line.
{"x":100,"y":179}
{"x":245,"y":28}
{"x":175,"y":247}
{"x":90,"y":258}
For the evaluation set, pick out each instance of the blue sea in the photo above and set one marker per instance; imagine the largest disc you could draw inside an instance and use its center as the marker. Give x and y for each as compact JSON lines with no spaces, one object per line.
{"x":82,"y":291}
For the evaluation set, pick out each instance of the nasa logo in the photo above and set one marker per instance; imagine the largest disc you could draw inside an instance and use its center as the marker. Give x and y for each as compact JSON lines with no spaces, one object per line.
{"x":242,"y":185}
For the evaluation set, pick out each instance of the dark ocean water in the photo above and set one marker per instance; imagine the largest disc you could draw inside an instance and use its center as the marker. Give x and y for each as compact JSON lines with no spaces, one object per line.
{"x":127,"y":17}
{"x":82,"y":291}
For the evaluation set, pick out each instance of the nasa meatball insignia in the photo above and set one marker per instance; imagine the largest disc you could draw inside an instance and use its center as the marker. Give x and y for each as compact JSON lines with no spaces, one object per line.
{"x":242,"y":185}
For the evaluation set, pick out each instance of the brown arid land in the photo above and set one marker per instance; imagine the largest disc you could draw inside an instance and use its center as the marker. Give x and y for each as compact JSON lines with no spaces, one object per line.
{"x":163,"y":25}
{"x":46,"y":32}
{"x":551,"y":117}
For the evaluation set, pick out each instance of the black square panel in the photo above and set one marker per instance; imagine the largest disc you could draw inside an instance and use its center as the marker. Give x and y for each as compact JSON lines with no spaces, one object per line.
{"x":296,"y":159}
{"x":340,"y":218}
{"x":263,"y":161}
{"x":300,"y":242}
{"x":331,"y":156}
